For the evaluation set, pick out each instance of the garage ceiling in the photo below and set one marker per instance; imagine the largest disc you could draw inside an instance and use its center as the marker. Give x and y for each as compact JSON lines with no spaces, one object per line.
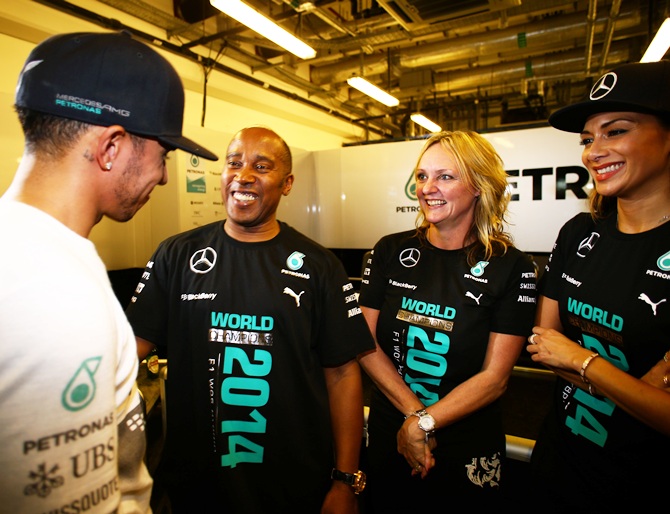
{"x":477,"y":64}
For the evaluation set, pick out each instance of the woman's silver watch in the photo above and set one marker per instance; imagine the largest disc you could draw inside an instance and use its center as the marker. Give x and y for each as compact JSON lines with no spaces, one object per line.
{"x":426,"y":421}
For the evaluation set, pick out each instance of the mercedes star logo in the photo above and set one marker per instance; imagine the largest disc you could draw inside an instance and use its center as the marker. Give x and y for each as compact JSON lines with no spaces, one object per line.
{"x":587,"y":244}
{"x":410,"y":257}
{"x":203,"y":260}
{"x":603,"y":87}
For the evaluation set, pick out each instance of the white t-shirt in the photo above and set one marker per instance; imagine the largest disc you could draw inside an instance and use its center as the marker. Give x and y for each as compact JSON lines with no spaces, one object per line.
{"x":68,"y":365}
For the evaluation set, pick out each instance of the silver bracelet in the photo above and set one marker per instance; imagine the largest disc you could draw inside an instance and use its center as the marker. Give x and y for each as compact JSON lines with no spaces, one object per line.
{"x":585,"y":364}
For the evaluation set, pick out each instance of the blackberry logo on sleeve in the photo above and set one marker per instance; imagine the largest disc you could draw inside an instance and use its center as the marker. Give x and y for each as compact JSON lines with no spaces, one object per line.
{"x":203,"y":260}
{"x":136,"y":422}
{"x":410,"y":257}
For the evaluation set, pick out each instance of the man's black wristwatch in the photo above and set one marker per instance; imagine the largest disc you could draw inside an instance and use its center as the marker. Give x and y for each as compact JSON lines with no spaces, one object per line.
{"x":355,"y":480}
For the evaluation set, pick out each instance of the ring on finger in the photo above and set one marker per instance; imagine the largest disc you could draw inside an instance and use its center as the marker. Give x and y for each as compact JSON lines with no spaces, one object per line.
{"x":666,"y":381}
{"x":531,"y":338}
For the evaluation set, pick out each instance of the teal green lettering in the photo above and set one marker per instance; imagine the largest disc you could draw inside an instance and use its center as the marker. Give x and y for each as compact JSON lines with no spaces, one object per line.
{"x":426,"y":362}
{"x":257,"y":426}
{"x":429,"y":309}
{"x":245,"y":391}
{"x":253,"y":453}
{"x":427,"y":397}
{"x":614,"y":355}
{"x":238,"y":355}
{"x":595,"y":314}
{"x":594,"y":432}
{"x":242,"y":321}
{"x":219,"y":319}
{"x":603,"y":405}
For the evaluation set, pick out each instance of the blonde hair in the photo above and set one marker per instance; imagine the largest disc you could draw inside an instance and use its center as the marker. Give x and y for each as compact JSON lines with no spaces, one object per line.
{"x":481,"y":169}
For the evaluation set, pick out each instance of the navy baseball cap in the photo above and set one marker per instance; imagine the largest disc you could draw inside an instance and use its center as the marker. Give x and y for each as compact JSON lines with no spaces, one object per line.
{"x":636,"y":87}
{"x":107,"y":79}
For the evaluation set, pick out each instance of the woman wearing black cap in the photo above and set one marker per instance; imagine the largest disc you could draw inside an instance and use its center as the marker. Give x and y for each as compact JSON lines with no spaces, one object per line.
{"x":603,"y":319}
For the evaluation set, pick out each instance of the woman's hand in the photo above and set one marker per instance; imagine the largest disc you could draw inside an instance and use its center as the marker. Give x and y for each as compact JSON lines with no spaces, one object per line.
{"x":416,"y":447}
{"x":659,"y":375}
{"x":551,"y":348}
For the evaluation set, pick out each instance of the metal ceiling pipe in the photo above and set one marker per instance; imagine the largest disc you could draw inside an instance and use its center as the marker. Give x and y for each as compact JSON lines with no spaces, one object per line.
{"x":590,"y":33}
{"x":609,"y":33}
{"x":509,"y":76}
{"x":477,"y":46}
{"x":383,"y":31}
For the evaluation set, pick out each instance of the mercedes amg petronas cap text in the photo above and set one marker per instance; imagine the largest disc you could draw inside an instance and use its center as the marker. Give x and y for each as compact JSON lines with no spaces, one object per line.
{"x":107,"y":79}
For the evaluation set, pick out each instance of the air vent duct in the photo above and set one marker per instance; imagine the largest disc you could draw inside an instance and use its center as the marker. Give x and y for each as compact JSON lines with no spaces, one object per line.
{"x":413,"y":14}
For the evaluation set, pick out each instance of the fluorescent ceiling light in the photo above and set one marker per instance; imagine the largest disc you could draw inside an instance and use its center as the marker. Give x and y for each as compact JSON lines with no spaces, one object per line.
{"x":373,"y":91}
{"x":420,"y":119}
{"x":659,"y":45}
{"x":325,"y":16}
{"x":264,"y":26}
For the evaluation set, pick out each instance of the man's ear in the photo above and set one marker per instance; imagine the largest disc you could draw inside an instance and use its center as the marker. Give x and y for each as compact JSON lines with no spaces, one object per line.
{"x":288,"y":184}
{"x":109,"y":142}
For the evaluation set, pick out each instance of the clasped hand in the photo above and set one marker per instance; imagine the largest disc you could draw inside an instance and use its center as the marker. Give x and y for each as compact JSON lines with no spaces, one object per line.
{"x":416,"y":447}
{"x":562,"y":355}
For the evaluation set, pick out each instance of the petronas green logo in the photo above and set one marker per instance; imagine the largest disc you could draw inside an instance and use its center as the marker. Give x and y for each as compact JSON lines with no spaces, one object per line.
{"x":80,"y":390}
{"x":478,"y":269}
{"x":410,"y":187}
